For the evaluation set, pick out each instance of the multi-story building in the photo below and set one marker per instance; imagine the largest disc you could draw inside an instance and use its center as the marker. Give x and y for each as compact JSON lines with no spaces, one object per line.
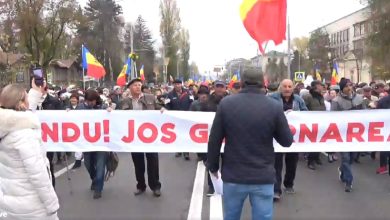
{"x":261,"y":61}
{"x":348,"y":48}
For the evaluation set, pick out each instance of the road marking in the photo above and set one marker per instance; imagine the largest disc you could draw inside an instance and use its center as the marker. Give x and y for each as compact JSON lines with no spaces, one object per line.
{"x":195,"y":210}
{"x":216,"y":211}
{"x":63,"y":170}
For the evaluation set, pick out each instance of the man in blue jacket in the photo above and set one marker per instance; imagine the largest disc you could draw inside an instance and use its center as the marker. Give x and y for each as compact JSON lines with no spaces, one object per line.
{"x":248,"y":121}
{"x":290,"y":102}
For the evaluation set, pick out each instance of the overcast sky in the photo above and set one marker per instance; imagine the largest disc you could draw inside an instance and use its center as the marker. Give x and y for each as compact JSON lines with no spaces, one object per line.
{"x":217,"y":33}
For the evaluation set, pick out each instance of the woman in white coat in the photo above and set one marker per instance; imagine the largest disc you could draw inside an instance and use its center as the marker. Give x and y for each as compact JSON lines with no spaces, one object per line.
{"x":26,"y":192}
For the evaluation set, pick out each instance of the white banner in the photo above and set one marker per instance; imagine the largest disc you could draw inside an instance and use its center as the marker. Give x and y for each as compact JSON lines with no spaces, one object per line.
{"x":174,"y":131}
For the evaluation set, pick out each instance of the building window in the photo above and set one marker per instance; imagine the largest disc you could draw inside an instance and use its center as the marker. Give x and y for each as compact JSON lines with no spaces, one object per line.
{"x":361,"y":29}
{"x":334,"y":38}
{"x":347,"y":34}
{"x":356,"y":30}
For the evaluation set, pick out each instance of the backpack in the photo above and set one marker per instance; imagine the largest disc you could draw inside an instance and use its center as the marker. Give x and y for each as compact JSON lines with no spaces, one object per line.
{"x":111,"y":165}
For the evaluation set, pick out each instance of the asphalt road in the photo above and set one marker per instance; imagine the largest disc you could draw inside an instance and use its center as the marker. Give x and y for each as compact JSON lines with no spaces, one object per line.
{"x":319,"y":194}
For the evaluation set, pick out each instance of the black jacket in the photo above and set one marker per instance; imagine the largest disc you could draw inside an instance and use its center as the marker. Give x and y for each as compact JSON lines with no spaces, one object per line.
{"x":181,"y":103}
{"x":384,"y":103}
{"x":248,"y":122}
{"x":52,"y":103}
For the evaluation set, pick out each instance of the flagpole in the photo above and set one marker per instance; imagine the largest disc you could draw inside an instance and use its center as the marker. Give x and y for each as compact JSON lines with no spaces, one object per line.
{"x":82,"y":50}
{"x":288,"y":49}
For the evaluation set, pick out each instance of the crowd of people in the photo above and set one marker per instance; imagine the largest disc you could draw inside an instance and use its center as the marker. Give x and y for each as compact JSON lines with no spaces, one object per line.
{"x":205,"y":97}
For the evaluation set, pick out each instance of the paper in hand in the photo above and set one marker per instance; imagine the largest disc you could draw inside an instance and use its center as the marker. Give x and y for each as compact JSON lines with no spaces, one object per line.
{"x":217,"y":183}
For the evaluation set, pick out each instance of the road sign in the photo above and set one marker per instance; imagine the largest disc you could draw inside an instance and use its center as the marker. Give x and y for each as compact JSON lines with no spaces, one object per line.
{"x":299,"y":76}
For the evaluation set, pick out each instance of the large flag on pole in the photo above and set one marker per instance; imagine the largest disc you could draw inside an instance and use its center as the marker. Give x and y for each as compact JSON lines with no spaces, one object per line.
{"x":92,"y":65}
{"x":128,"y":63}
{"x":265,"y":20}
{"x":121,"y":80}
{"x":126,"y":71}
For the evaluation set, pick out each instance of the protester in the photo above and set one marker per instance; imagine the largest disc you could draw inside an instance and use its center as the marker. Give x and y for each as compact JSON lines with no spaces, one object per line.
{"x":74,"y":105}
{"x":146,"y":90}
{"x":378,"y":89}
{"x":116,"y":97}
{"x":248,"y":121}
{"x":236,"y":88}
{"x":26,"y":190}
{"x":384,"y":158}
{"x":51,"y":103}
{"x":368,"y":99}
{"x":345,"y":101}
{"x":179,"y":99}
{"x":315,"y":102}
{"x":95,"y":161}
{"x":142,"y":101}
{"x":290,"y":102}
{"x":211,"y":106}
{"x":328,"y":103}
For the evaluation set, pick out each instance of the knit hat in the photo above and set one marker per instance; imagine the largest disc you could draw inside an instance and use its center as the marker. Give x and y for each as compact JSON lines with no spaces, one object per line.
{"x":252,"y":76}
{"x":343,"y":82}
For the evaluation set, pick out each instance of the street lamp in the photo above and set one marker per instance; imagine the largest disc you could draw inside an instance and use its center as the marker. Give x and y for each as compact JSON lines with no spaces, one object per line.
{"x":330,"y":63}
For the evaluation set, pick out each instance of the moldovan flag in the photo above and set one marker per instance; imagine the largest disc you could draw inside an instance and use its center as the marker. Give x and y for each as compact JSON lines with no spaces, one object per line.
{"x":142,"y":73}
{"x":94,"y":68}
{"x":121,"y":80}
{"x":233,"y":80}
{"x":265,"y":20}
{"x":335,"y":74}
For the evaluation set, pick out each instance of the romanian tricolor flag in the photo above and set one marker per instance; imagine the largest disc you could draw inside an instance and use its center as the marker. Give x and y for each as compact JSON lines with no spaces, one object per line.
{"x":142,"y":73}
{"x":265,"y":20}
{"x":92,"y":65}
{"x":335,"y":74}
{"x":121,"y":80}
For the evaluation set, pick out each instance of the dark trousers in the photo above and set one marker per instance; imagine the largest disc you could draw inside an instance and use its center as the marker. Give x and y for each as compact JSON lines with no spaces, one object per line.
{"x":152,"y":169}
{"x":384,"y":159}
{"x":95,"y":162}
{"x":50,"y":157}
{"x":203,"y":156}
{"x":313,"y":157}
{"x":291,"y":160}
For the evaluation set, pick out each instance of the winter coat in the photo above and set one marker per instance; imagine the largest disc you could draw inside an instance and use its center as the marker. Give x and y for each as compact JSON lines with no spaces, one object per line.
{"x":52,"y":103}
{"x":314,"y":101}
{"x":384,"y":103}
{"x":148,"y":103}
{"x":182,"y":103}
{"x":249,"y":122}
{"x":298,"y":103}
{"x":344,"y":103}
{"x":26,"y":190}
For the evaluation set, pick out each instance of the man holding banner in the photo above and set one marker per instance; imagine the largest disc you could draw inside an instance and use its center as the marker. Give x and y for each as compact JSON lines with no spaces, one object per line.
{"x":345,"y":101}
{"x":290,"y":102}
{"x":140,"y":101}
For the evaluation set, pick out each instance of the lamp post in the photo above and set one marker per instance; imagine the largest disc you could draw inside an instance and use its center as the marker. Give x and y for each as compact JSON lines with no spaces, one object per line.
{"x":330,"y":63}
